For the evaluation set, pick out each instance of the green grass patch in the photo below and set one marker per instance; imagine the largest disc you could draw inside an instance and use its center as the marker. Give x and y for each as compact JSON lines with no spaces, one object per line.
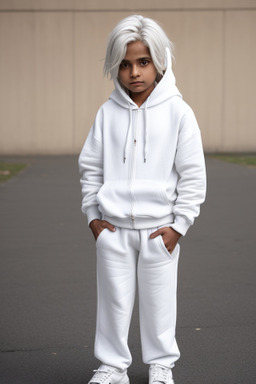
{"x":249,"y":160}
{"x":8,"y":170}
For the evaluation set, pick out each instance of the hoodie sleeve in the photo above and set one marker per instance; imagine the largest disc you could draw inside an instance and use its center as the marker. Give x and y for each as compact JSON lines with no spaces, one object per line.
{"x":91,"y":170}
{"x":190,"y":165}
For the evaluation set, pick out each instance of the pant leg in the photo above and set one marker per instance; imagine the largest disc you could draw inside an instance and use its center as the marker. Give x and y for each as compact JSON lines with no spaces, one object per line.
{"x":157,"y":282}
{"x":116,"y":286}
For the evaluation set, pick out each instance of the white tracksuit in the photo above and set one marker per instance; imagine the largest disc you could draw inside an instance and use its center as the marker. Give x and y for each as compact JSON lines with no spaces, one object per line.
{"x":141,"y":169}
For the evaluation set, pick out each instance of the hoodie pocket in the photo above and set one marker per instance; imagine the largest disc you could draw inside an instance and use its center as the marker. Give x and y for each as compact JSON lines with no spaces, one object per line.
{"x":150,"y":199}
{"x":114,"y":199}
{"x":143,"y":198}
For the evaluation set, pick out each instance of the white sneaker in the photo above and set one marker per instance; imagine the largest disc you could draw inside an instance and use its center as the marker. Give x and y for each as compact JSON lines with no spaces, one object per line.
{"x":109,"y":375}
{"x":158,"y":374}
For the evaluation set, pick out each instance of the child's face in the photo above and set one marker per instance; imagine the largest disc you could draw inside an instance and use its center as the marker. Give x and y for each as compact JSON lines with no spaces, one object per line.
{"x":137,"y":72}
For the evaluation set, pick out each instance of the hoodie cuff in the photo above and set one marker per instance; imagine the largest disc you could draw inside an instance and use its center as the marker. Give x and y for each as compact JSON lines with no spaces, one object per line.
{"x":93,"y":213}
{"x":180,"y":225}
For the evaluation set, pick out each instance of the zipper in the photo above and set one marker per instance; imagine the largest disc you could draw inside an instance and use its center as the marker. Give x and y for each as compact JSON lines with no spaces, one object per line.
{"x":133,"y":168}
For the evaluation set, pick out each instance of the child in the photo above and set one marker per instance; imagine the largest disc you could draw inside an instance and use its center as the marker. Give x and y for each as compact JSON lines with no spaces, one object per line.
{"x":143,"y":180}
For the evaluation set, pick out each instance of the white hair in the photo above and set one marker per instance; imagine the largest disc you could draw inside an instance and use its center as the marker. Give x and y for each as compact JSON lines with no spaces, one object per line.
{"x":134,"y":28}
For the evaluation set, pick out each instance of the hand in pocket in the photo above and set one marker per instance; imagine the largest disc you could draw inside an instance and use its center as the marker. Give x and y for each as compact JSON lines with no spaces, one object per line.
{"x":97,"y":227}
{"x":169,"y":235}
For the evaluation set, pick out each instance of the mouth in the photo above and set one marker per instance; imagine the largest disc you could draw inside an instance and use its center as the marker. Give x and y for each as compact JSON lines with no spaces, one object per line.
{"x":136,"y":83}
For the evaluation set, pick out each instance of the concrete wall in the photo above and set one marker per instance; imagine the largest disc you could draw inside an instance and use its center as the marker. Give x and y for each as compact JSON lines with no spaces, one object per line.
{"x":51,"y":58}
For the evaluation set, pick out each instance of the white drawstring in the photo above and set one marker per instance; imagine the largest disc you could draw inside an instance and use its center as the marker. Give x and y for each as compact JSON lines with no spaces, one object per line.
{"x":130,"y":129}
{"x":128,"y":132}
{"x":145,"y":130}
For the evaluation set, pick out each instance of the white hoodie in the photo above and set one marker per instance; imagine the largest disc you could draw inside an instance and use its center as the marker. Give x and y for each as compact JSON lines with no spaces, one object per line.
{"x":144,"y":167}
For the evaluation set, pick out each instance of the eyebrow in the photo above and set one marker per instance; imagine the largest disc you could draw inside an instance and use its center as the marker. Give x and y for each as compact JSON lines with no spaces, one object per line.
{"x":139,"y":59}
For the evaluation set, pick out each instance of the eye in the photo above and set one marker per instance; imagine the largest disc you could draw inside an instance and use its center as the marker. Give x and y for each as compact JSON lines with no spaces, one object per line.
{"x":124,"y":65}
{"x":144,"y":62}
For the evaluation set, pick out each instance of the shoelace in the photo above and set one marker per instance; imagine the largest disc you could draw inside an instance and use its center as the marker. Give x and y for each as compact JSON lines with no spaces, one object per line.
{"x":100,"y":375}
{"x":159,"y":374}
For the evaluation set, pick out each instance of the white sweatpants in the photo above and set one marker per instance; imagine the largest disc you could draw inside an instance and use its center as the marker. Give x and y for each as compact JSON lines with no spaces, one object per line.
{"x":125,"y":257}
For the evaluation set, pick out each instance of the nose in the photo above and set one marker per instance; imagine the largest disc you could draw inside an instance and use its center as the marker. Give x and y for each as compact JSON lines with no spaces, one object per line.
{"x":135,"y":71}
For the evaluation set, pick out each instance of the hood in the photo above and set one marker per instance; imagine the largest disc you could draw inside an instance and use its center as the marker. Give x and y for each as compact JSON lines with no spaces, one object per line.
{"x":164,"y":90}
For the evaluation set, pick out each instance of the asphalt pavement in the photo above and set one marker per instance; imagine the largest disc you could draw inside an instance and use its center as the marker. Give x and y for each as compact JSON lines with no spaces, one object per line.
{"x":48,"y":281}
